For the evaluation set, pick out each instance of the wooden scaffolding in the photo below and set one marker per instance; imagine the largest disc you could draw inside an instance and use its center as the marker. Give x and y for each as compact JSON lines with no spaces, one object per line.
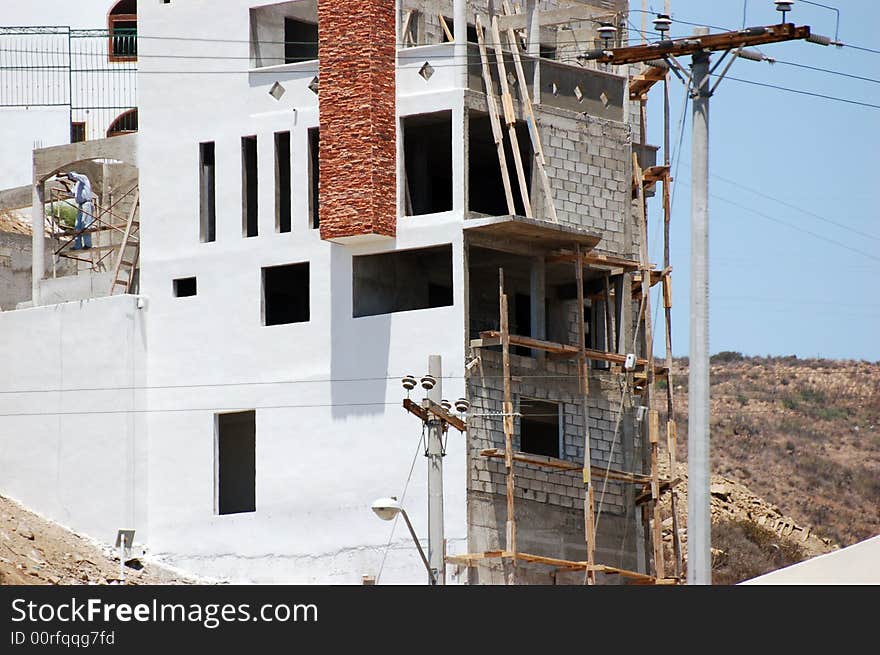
{"x":640,"y":376}
{"x":117,"y":230}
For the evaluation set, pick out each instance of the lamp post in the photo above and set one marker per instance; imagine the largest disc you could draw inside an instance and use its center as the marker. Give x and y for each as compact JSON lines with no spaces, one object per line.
{"x":386,"y":509}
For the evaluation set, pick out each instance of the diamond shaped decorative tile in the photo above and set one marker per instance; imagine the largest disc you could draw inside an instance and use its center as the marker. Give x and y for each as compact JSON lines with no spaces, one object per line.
{"x":277,"y":91}
{"x":313,"y":85}
{"x":426,"y":71}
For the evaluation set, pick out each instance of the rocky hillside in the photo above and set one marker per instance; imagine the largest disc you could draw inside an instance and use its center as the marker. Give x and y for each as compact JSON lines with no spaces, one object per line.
{"x":800,"y":436}
{"x":35,"y":551}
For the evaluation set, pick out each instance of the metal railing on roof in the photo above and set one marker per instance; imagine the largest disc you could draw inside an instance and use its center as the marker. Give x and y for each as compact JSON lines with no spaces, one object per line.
{"x":91,"y":72}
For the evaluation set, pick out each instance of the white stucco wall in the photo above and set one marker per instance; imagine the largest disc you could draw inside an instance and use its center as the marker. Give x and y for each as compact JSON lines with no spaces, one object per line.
{"x":70,"y":446}
{"x":21,"y":130}
{"x":331,"y":435}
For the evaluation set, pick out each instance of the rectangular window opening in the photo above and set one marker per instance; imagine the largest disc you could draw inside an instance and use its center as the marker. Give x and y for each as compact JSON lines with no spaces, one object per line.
{"x":236,"y":458}
{"x":401,"y":281}
{"x":249,"y":186}
{"x":77,"y":131}
{"x":427,"y":148}
{"x":486,"y":190}
{"x":300,"y":41}
{"x":286,"y":294}
{"x":539,"y":426}
{"x":444,"y":37}
{"x":207,"y":193}
{"x":184,"y":287}
{"x":283,"y":33}
{"x":314,"y":177}
{"x":282,"y":181}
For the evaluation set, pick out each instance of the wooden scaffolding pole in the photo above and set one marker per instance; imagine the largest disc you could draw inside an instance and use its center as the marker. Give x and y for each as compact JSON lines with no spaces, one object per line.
{"x":507,"y":411}
{"x":491,"y":102}
{"x":537,"y":149}
{"x":584,"y":383}
{"x":653,"y":427}
{"x":510,"y":118}
{"x":671,"y":432}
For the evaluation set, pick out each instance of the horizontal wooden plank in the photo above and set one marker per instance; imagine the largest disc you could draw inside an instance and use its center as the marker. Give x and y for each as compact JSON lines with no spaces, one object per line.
{"x":472,"y":559}
{"x":528,"y":342}
{"x":548,"y":17}
{"x":561,"y":464}
{"x":593,"y":259}
{"x":493,"y":338}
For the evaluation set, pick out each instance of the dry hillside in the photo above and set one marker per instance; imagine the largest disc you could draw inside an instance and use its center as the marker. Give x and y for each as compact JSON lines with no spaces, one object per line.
{"x":804,"y":437}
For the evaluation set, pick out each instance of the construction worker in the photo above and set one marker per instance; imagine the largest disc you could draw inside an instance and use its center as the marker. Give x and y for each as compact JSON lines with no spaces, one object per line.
{"x":85,"y":215}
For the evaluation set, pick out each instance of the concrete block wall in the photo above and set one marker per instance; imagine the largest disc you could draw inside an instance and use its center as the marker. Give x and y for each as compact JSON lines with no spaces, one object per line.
{"x":16,"y":265}
{"x":557,"y":382}
{"x":589,"y":163}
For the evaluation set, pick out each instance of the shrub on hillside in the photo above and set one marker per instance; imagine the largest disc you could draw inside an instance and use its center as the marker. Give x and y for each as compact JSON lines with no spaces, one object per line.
{"x":726,"y":356}
{"x":748,"y":550}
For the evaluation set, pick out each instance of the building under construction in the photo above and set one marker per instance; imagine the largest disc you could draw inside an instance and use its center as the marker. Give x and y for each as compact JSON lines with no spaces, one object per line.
{"x":325,"y":194}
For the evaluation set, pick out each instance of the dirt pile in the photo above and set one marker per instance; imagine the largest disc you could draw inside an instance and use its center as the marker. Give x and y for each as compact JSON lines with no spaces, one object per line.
{"x":36,"y":551}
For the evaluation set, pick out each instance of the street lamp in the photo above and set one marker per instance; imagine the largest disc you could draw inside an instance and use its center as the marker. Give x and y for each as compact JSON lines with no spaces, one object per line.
{"x":386,"y":509}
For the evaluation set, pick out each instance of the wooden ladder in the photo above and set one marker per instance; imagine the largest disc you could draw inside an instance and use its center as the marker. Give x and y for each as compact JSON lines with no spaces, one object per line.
{"x":129,"y":251}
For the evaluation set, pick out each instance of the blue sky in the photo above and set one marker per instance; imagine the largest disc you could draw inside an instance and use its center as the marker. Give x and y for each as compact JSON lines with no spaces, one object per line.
{"x":782,"y":280}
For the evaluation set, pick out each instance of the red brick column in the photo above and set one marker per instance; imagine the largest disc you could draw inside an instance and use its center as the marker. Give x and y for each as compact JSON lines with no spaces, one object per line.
{"x":358,"y":152}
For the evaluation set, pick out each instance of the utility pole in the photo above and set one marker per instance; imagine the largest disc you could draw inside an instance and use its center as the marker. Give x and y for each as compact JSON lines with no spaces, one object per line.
{"x":663,"y":54}
{"x":434,"y":453}
{"x":699,"y":569}
{"x":436,"y":419}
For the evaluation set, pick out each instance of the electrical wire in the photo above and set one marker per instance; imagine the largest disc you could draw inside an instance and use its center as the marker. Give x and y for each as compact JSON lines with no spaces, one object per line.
{"x":827,"y":70}
{"x":794,"y":227}
{"x":412,"y":467}
{"x":863,"y":49}
{"x":801,"y":92}
{"x":206,"y":385}
{"x":795,"y":207}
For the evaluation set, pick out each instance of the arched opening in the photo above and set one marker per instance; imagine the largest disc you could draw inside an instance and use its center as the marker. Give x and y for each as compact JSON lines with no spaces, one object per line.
{"x":125,"y":123}
{"x":122,"y":28}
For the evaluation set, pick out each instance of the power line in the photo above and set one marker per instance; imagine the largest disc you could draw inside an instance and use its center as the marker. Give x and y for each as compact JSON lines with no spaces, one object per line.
{"x":795,"y":207}
{"x":175,"y":387}
{"x":863,"y":49}
{"x":88,"y":412}
{"x":801,"y":92}
{"x":827,"y":70}
{"x":796,"y":227}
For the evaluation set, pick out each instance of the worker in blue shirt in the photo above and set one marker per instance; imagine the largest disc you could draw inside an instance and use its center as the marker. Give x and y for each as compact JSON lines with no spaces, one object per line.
{"x":85,"y":215}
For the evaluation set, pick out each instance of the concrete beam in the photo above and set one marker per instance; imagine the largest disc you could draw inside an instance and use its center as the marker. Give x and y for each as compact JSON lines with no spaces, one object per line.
{"x":48,"y":161}
{"x":552,"y":17}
